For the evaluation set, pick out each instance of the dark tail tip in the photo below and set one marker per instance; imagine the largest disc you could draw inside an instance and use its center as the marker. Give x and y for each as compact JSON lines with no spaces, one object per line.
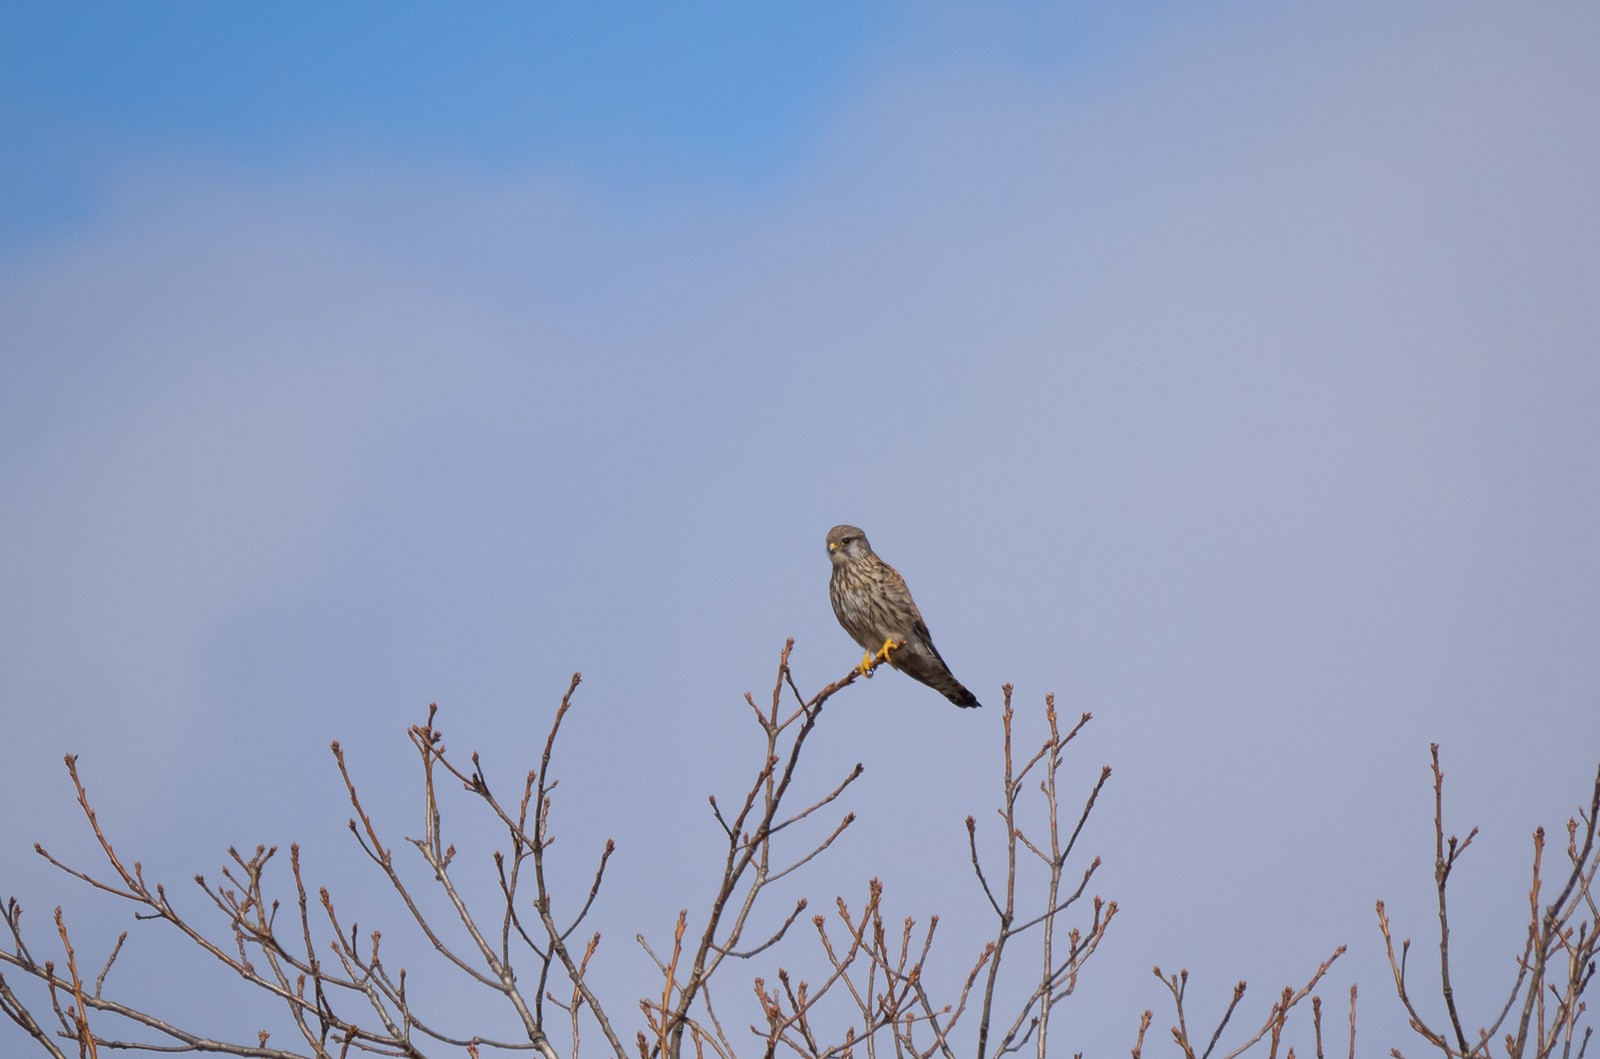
{"x":962,"y":697}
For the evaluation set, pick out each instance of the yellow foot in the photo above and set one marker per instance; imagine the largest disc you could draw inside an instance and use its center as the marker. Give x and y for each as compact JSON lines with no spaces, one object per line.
{"x":873,"y":659}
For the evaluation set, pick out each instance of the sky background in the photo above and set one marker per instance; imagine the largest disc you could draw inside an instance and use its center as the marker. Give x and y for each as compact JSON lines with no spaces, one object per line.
{"x":1228,"y":369}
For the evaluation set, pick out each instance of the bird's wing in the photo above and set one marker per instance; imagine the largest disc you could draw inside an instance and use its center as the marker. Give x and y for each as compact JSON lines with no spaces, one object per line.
{"x":896,"y":594}
{"x":920,"y":627}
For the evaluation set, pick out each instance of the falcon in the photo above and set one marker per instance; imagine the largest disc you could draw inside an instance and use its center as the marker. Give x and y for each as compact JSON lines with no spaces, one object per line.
{"x":872,"y":602}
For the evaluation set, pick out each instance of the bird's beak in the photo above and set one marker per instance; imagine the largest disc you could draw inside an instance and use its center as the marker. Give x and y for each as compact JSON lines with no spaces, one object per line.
{"x":832,"y":546}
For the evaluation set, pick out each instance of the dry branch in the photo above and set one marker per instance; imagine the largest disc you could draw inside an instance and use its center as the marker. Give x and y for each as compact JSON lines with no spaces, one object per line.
{"x":1557,"y":961}
{"x":342,"y":996}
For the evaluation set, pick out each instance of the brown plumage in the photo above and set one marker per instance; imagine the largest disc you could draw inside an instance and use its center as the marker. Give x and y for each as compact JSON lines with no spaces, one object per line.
{"x":872,"y":602}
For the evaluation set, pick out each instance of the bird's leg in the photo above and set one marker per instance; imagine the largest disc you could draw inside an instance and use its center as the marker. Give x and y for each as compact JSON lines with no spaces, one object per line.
{"x":873,"y":659}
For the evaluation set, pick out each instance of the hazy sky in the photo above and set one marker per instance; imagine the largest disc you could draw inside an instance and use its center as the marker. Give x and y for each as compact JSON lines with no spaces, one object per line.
{"x":1229,"y":370}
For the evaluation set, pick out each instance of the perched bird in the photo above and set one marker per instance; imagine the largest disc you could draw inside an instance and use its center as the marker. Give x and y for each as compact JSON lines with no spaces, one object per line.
{"x":872,"y":602}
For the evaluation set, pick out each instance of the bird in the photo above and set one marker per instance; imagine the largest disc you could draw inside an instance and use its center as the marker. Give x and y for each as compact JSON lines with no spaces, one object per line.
{"x":872,"y":602}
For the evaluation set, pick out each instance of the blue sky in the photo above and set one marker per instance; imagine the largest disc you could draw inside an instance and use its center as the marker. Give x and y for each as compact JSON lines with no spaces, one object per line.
{"x":623,"y":93}
{"x":497,"y":86}
{"x":1227,"y":370}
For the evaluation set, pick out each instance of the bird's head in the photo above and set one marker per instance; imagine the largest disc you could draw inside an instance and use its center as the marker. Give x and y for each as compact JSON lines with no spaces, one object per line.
{"x":846,"y":544}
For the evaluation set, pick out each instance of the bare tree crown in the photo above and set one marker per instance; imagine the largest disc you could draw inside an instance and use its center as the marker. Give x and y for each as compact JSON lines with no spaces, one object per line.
{"x":343,"y":992}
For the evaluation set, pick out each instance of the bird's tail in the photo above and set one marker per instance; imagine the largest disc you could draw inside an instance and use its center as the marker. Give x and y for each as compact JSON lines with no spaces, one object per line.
{"x":960,"y":695}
